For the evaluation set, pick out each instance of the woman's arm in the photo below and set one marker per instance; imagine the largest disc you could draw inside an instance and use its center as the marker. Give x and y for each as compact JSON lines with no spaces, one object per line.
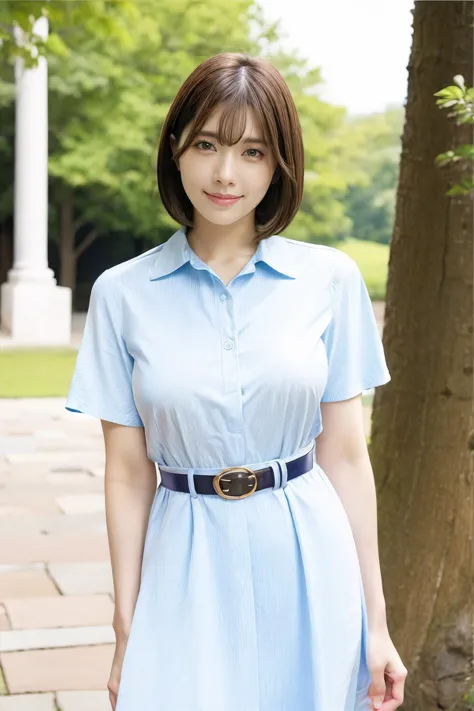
{"x":341,"y":451}
{"x":130,"y":486}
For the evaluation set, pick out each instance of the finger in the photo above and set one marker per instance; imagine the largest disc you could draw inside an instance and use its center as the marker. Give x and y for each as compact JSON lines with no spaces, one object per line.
{"x":398,"y":688}
{"x":397,"y":695}
{"x":377,"y":688}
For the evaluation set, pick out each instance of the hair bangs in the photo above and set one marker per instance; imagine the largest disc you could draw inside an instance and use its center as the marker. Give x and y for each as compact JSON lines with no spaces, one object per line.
{"x":233,"y":118}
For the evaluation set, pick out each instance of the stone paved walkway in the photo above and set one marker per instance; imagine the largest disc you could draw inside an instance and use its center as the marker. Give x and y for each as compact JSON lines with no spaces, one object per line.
{"x":56,"y":593}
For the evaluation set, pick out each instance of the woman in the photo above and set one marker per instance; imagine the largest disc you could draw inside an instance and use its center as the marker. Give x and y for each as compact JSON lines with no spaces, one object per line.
{"x":249,"y":580}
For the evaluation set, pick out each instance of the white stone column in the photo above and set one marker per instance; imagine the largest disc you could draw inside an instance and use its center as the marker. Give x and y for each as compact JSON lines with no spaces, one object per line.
{"x":35,"y":310}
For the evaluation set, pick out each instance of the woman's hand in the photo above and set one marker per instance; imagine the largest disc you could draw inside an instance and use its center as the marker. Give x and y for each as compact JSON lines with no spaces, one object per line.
{"x":116,"y":671}
{"x":387,"y":671}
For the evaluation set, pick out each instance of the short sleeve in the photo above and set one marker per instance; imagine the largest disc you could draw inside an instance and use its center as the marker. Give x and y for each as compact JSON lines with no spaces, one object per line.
{"x":101,"y":384}
{"x":356,"y":358}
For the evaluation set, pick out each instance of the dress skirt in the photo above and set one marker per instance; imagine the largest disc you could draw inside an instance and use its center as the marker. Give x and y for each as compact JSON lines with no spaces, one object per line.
{"x":255,"y":604}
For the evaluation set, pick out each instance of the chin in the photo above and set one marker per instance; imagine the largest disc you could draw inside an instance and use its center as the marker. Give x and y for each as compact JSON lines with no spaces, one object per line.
{"x":223,"y":219}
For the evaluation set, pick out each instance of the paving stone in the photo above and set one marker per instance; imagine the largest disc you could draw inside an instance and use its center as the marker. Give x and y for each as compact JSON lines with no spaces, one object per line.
{"x":73,"y":669}
{"x":26,"y":583}
{"x":24,"y":497}
{"x":53,"y":548}
{"x":56,"y":457}
{"x":6,"y":510}
{"x":17,"y":445}
{"x":98,"y":472}
{"x":52,"y":523}
{"x":4,"y":621}
{"x":9,"y":567}
{"x":29,"y":702}
{"x":49,"y":433}
{"x":58,"y":611}
{"x":81,"y":503}
{"x":23,"y":640}
{"x":41,"y":489}
{"x":89,"y":446}
{"x":82,"y":578}
{"x":18,"y":522}
{"x":33,"y":406}
{"x":23,"y":471}
{"x":83,"y":700}
{"x":59,"y":479}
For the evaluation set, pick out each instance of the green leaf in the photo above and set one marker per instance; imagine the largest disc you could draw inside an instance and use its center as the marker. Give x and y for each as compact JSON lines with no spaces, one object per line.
{"x":450,"y":92}
{"x":459,"y":80}
{"x":447,"y":104}
{"x":465,"y":151}
{"x":464,"y":187}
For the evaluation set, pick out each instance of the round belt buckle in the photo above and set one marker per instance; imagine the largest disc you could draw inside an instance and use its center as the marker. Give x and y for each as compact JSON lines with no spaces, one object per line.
{"x":240,"y":480}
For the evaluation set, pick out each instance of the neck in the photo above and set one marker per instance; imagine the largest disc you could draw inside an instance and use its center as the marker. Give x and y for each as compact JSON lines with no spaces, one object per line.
{"x":223,"y":243}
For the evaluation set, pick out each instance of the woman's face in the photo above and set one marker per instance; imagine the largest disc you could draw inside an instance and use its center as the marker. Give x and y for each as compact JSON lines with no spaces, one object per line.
{"x":243,"y":171}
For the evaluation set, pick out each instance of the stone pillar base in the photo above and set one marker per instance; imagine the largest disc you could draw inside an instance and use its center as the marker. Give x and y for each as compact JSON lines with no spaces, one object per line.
{"x":36,"y":314}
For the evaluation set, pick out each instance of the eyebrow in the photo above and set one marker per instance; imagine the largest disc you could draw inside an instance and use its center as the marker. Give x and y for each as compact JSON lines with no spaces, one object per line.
{"x":211,"y":134}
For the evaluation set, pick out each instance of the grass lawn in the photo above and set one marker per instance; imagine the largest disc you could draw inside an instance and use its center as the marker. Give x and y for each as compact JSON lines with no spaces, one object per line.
{"x":36,"y":372}
{"x":372,"y":259}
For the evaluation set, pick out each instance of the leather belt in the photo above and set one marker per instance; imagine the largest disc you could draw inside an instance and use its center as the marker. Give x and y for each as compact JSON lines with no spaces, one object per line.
{"x":236,"y":482}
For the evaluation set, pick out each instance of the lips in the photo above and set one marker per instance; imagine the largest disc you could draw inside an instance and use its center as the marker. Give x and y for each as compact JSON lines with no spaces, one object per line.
{"x":222,"y":199}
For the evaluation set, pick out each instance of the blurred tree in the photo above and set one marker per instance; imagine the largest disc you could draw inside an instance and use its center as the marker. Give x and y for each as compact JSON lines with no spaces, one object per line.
{"x":370,"y":202}
{"x":107,"y":102}
{"x":423,"y":420}
{"x":104,"y":17}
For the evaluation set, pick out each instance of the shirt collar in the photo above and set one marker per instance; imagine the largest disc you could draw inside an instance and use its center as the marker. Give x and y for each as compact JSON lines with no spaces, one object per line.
{"x":176,"y":251}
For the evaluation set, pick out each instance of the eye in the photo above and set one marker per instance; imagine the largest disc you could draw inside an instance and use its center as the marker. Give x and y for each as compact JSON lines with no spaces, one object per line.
{"x":205,"y":143}
{"x":258,"y":152}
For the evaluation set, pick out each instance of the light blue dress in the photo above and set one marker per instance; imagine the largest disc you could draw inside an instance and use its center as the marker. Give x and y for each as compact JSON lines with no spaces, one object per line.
{"x":255,"y":604}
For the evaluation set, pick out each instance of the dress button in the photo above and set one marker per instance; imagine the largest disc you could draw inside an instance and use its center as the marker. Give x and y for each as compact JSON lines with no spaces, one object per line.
{"x":223,"y":297}
{"x":228,"y":345}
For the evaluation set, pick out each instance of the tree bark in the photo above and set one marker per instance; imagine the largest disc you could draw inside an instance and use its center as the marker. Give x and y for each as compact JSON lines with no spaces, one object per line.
{"x":69,"y":253}
{"x":422,"y":440}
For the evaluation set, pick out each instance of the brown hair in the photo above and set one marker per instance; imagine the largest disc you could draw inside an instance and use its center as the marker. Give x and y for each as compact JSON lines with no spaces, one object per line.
{"x":236,"y":81}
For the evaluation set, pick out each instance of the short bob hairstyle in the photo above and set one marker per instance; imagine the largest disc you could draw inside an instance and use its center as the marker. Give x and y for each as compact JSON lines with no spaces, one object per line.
{"x":236,"y":81}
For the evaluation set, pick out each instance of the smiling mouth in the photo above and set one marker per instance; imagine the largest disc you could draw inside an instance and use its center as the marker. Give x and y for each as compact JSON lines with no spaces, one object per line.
{"x":223,"y":199}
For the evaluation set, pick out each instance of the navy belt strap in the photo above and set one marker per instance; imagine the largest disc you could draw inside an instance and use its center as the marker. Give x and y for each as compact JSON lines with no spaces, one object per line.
{"x":204,"y":483}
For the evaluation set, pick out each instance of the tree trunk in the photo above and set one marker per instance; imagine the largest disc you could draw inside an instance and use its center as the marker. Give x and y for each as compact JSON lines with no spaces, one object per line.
{"x":67,"y":237}
{"x":69,"y":253}
{"x":423,"y":426}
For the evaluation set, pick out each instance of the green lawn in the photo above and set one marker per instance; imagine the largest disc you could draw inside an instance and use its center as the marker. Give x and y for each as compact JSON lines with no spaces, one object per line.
{"x":36,"y":372}
{"x":372,"y":259}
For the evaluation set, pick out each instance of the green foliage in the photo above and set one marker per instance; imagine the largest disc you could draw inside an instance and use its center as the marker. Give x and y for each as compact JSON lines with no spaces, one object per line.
{"x":111,"y":82}
{"x":106,"y":18}
{"x":370,"y":199}
{"x":461,"y":99}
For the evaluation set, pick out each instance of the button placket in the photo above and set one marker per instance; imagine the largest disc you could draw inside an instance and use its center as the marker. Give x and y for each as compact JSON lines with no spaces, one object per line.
{"x":230,"y":364}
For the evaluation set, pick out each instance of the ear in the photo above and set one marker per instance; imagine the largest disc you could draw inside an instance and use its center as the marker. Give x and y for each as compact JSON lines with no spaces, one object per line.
{"x":173,"y":144}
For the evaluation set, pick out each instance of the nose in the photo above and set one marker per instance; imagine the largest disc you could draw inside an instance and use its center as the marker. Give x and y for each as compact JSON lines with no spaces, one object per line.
{"x":224,"y":172}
